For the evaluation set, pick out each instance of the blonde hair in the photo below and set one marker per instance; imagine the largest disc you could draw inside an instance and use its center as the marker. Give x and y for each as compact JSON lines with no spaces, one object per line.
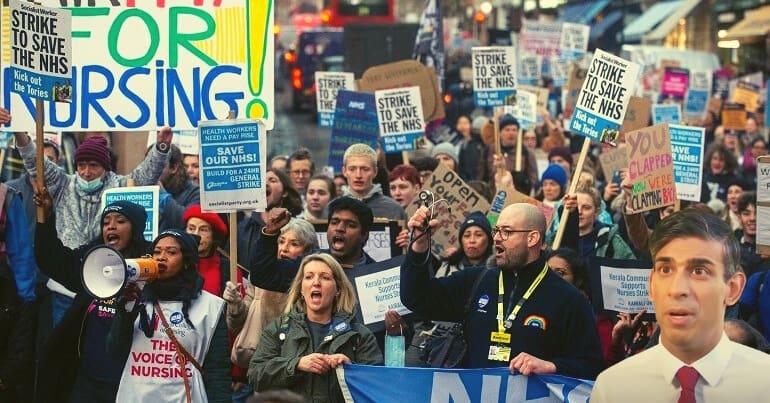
{"x":345,"y":301}
{"x":360,"y":150}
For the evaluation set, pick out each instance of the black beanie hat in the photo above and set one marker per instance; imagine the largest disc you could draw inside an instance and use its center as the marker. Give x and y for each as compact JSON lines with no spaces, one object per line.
{"x":478,"y":219}
{"x":361,"y":210}
{"x":133,"y":212}
{"x":507,"y":120}
{"x":189,"y":242}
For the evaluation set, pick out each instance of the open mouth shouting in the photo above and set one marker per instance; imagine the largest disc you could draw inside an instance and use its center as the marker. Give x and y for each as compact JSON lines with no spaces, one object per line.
{"x":338,"y":242}
{"x":112,"y":239}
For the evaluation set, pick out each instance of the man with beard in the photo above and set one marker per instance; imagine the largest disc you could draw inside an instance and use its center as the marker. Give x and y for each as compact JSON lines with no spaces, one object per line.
{"x":523,"y":315}
{"x":177,"y":192}
{"x":347,"y":233}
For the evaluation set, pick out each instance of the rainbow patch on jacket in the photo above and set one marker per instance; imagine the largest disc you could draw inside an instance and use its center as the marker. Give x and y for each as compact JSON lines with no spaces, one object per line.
{"x":536,"y":321}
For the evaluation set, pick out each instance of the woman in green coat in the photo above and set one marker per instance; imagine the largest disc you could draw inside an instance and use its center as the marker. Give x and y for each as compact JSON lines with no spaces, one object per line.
{"x":317,"y":333}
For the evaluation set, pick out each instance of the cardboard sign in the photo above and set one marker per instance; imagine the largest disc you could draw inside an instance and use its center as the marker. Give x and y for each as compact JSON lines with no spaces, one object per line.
{"x":574,"y":83}
{"x":666,"y":113}
{"x":232,"y":165}
{"x":637,"y":114}
{"x":620,"y":285}
{"x":494,"y":75}
{"x":615,"y":159}
{"x":142,"y":66}
{"x":399,"y":113}
{"x":687,"y":144}
{"x":461,"y":198}
{"x":41,"y":52}
{"x":145,"y":196}
{"x":355,"y":121}
{"x":541,"y":38}
{"x":746,"y":94}
{"x":650,"y":168}
{"x":763,"y":205}
{"x":378,"y":288}
{"x":406,"y":73}
{"x":675,"y":82}
{"x":530,"y":69}
{"x":734,"y":117}
{"x":186,"y":140}
{"x":574,"y":41}
{"x":604,"y":97}
{"x":715,"y":105}
{"x":327,"y":85}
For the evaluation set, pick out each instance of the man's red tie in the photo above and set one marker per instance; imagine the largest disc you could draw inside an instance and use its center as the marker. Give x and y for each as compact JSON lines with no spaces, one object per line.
{"x":687,"y":377}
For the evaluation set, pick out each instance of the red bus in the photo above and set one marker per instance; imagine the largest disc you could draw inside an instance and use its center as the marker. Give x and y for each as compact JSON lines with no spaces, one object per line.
{"x":338,"y":13}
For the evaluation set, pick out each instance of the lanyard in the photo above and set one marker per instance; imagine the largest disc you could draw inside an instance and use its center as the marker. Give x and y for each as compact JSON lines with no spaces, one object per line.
{"x":501,"y":325}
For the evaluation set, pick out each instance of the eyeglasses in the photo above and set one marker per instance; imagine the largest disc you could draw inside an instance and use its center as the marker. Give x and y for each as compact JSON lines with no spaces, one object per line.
{"x":300,"y":173}
{"x":506,"y":233}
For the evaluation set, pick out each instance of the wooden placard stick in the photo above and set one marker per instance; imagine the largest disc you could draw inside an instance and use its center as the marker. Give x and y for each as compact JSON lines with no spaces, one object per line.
{"x":233,"y":226}
{"x":519,"y":146}
{"x":40,"y":155}
{"x":572,"y":189}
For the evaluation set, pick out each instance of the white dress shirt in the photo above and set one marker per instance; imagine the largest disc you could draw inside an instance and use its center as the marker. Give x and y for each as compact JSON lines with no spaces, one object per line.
{"x":730,"y":372}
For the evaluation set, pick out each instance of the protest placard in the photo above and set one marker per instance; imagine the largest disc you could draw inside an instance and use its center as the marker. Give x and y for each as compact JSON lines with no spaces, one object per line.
{"x":734,"y":116}
{"x":355,"y":121}
{"x":142,"y":66}
{"x":381,"y":244}
{"x":541,"y":38}
{"x":186,"y":140}
{"x":542,"y":98}
{"x":620,"y":285}
{"x":560,"y":72}
{"x":763,"y":205}
{"x":612,"y":160}
{"x":746,"y":94}
{"x":650,"y":168}
{"x":603,"y":99}
{"x":575,"y":79}
{"x":145,"y":196}
{"x":378,"y":288}
{"x":406,"y":73}
{"x":637,"y":115}
{"x":41,"y":52}
{"x":462,"y":199}
{"x":327,"y":85}
{"x":675,"y":82}
{"x":232,"y":165}
{"x":666,"y":113}
{"x":697,"y":97}
{"x":525,"y":110}
{"x":399,"y":114}
{"x":574,"y":40}
{"x":530,"y":69}
{"x":721,"y":83}
{"x":687,"y":144}
{"x":494,"y":74}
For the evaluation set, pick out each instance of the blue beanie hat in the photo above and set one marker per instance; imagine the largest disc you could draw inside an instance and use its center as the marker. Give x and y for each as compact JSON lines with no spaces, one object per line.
{"x":557,"y":174}
{"x":478,"y":219}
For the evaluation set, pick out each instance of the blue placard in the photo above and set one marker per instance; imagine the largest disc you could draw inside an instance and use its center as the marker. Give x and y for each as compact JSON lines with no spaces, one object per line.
{"x":362,"y":383}
{"x":492,"y":97}
{"x":695,"y":103}
{"x":355,"y":121}
{"x":402,"y":142}
{"x":594,"y":126}
{"x":687,"y":144}
{"x":145,"y":196}
{"x":666,"y":113}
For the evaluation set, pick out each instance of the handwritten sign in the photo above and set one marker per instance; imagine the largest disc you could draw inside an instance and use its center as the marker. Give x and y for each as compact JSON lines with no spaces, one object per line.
{"x":494,"y":74}
{"x":139,"y":67}
{"x":650,"y":168}
{"x":399,"y":112}
{"x":763,"y":205}
{"x":461,"y":198}
{"x":574,"y":40}
{"x":41,"y":52}
{"x":687,"y":145}
{"x":145,"y":196}
{"x":327,"y":85}
{"x":604,"y":97}
{"x":666,"y":113}
{"x":355,"y":121}
{"x":612,"y":160}
{"x":232,"y":160}
{"x":637,"y":114}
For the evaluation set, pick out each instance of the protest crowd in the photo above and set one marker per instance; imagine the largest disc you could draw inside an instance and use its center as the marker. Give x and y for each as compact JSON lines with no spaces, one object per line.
{"x":514,"y":244}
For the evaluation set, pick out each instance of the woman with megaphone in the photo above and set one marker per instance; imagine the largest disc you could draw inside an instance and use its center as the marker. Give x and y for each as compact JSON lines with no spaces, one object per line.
{"x":165,"y":331}
{"x":74,"y":366}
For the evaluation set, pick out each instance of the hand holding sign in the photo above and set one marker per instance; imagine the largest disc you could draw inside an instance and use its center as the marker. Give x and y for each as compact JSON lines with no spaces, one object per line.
{"x":5,"y":116}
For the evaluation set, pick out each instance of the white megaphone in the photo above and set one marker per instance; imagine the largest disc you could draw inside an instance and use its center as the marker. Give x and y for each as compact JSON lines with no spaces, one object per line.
{"x":105,"y":271}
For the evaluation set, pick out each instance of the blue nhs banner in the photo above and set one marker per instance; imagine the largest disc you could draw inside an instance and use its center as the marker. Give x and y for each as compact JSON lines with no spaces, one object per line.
{"x":362,"y":383}
{"x":232,"y":161}
{"x":666,"y":113}
{"x":145,"y":196}
{"x":687,"y":145}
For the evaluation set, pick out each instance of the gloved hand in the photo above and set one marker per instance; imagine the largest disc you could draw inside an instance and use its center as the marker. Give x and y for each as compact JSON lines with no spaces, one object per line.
{"x":232,"y":295}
